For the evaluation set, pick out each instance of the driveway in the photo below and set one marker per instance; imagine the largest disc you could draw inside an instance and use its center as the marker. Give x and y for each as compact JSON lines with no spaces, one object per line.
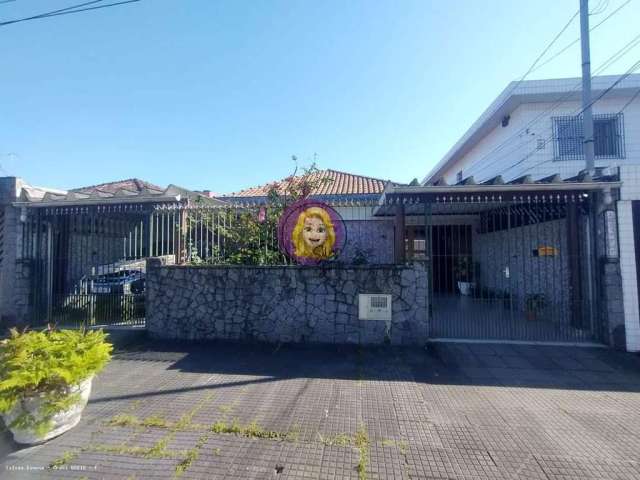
{"x":474,"y":411}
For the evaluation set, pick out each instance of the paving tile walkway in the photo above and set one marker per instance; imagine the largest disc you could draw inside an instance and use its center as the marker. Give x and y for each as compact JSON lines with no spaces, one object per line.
{"x":470,"y":411}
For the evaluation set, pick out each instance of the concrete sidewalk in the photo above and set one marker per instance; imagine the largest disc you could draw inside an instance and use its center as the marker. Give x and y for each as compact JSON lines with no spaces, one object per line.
{"x":224,"y":411}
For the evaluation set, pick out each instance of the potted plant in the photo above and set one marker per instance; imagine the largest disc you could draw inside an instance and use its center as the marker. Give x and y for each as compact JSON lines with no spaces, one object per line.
{"x":464,"y":274}
{"x":535,"y":304}
{"x":45,"y":380}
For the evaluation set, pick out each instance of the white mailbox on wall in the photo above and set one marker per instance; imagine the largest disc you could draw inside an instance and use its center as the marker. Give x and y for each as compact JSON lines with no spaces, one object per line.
{"x":374,"y":306}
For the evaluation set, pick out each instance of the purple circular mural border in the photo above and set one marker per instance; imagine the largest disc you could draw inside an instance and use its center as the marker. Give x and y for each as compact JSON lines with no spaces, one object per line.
{"x":287,"y":223}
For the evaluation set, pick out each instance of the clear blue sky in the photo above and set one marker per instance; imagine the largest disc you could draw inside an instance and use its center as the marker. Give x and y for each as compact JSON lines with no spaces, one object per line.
{"x":218,"y":95}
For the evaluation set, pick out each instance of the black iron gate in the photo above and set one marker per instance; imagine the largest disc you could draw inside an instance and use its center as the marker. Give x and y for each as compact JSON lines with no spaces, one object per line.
{"x":85,"y":265}
{"x":512,"y":270}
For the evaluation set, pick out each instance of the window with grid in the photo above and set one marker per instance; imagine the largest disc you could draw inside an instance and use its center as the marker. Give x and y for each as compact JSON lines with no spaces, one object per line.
{"x":608,"y":136}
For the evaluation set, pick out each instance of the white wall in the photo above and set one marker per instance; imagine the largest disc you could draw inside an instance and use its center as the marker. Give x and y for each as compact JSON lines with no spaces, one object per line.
{"x":520,"y":156}
{"x":630,"y":176}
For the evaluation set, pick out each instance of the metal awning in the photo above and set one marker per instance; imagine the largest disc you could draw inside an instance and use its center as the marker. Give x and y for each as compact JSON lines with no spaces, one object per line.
{"x":172,"y":194}
{"x":413,"y":198}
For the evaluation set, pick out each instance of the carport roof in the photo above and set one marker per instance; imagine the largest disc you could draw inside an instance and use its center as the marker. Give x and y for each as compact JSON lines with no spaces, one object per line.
{"x":493,"y":190}
{"x":124,"y":192}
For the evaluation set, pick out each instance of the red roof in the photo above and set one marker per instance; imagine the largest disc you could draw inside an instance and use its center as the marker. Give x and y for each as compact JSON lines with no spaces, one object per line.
{"x":131,"y":185}
{"x":331,"y":182}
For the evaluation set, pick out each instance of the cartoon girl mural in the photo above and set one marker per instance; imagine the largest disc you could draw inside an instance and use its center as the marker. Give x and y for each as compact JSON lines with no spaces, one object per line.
{"x":311,"y":232}
{"x":314,"y":235}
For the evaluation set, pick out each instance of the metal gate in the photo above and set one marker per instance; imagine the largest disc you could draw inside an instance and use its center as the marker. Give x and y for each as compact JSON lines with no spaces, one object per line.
{"x":512,"y":270}
{"x":85,"y":265}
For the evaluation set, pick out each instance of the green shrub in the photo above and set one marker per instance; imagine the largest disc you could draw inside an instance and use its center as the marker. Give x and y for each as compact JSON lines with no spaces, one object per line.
{"x":46,"y":364}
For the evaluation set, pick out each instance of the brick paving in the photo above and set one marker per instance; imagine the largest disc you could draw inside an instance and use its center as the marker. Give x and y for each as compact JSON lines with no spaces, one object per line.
{"x":470,"y":411}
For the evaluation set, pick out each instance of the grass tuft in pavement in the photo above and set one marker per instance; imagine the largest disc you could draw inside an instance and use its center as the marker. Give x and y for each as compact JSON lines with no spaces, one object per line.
{"x":191,"y":455}
{"x":66,"y":458}
{"x":361,"y":440}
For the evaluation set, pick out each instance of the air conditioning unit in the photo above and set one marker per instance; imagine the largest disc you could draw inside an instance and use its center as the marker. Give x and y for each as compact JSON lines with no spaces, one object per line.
{"x":374,"y":307}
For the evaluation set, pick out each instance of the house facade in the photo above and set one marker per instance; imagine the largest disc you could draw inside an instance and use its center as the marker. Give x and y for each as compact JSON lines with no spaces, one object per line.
{"x":531,"y":129}
{"x":532,"y":133}
{"x":53,"y":243}
{"x":508,"y":261}
{"x":516,"y":259}
{"x":371,"y":238}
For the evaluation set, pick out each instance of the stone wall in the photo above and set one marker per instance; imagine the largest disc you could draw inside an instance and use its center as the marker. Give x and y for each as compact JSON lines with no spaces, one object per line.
{"x":610,"y":286}
{"x":10,"y":288}
{"x":612,"y":306}
{"x":285,"y":304}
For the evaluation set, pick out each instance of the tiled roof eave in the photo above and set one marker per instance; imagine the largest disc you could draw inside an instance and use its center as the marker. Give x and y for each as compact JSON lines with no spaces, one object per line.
{"x":97,"y":201}
{"x":331,"y":199}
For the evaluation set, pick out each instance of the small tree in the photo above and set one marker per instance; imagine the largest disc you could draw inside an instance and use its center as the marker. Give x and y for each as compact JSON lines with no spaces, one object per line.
{"x":249,"y":235}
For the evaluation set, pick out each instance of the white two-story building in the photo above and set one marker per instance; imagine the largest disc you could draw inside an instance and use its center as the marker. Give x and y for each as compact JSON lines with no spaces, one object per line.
{"x":532,"y":134}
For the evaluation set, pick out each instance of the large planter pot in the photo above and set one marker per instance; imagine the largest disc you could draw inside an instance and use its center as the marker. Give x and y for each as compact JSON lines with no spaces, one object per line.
{"x":466,"y":288}
{"x":61,"y":421}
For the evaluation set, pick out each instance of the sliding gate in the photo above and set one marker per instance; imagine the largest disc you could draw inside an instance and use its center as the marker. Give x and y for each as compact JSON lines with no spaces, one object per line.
{"x":86,"y":265}
{"x":512,"y":270}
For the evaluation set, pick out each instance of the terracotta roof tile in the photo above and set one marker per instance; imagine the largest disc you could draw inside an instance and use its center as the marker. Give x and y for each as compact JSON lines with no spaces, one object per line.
{"x":337,"y":183}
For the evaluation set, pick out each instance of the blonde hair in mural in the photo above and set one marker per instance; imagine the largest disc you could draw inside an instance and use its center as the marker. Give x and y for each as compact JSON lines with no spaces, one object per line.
{"x":302,"y":248}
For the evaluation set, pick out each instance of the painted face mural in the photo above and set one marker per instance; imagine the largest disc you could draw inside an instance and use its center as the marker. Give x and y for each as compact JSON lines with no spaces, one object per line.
{"x":311,"y":231}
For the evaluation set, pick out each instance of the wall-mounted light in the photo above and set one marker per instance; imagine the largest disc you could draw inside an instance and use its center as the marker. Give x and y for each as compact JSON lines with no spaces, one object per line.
{"x":23,"y":214}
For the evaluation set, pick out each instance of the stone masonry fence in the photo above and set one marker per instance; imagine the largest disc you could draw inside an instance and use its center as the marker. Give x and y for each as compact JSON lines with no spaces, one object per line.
{"x":285,"y":303}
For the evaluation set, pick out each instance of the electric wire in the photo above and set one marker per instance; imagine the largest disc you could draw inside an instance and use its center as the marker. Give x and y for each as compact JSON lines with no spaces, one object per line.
{"x":600,"y":7}
{"x":52,"y":12}
{"x":631,"y":70}
{"x":543,"y":115}
{"x":608,"y":62}
{"x":635,"y":95}
{"x":535,"y":62}
{"x":568,"y":46}
{"x":542,"y":54}
{"x":551,"y":137}
{"x":68,"y":10}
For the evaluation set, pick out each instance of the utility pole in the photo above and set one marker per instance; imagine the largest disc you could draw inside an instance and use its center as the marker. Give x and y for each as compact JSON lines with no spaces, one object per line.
{"x":587,"y":115}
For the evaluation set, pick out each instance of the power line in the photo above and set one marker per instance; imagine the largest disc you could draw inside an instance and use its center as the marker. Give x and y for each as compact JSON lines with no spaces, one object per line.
{"x":632,"y":69}
{"x":532,"y":67}
{"x":558,"y":35}
{"x":52,"y":12}
{"x":612,"y":59}
{"x":621,"y":53}
{"x":607,"y":63}
{"x":635,"y":95}
{"x":601,"y":7}
{"x":567,"y":47}
{"x":94,"y":8}
{"x":518,"y":147}
{"x":68,"y":10}
{"x":546,"y":49}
